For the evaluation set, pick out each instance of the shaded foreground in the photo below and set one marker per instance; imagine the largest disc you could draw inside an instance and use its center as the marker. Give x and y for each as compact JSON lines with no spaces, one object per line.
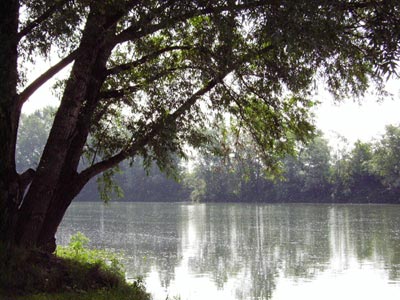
{"x":74,"y":272}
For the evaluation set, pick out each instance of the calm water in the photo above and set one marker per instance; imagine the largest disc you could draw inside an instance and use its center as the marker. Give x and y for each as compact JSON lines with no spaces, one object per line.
{"x":249,"y":251}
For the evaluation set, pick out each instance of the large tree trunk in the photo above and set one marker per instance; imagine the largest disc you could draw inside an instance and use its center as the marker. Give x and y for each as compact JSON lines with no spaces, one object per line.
{"x":9,"y":116}
{"x":70,"y":184}
{"x":33,"y":220}
{"x":64,"y":130}
{"x":61,"y":200}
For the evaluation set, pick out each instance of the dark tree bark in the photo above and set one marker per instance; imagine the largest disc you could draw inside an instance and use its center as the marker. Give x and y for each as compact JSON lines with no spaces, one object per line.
{"x":53,"y":162}
{"x":9,"y":116}
{"x":70,"y":184}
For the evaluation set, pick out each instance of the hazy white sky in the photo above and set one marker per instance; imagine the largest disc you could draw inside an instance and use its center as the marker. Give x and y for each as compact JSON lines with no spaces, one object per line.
{"x":364,"y":120}
{"x":348,"y":119}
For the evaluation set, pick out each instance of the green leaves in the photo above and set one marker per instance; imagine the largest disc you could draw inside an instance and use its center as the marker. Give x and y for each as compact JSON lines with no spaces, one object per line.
{"x":273,"y":52}
{"x":78,"y":242}
{"x":78,"y":252}
{"x":386,"y":159}
{"x":46,"y":25}
{"x":107,"y":187}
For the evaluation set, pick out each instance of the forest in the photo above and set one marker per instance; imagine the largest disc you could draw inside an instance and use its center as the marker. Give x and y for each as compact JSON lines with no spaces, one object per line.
{"x":231,"y":170}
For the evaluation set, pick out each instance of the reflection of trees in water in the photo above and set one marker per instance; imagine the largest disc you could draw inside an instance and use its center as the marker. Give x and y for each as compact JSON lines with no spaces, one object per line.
{"x":155,"y":231}
{"x":258,"y":243}
{"x":251,"y":244}
{"x":215,"y":252}
{"x":255,"y":243}
{"x":304,"y":242}
{"x":373,"y":233}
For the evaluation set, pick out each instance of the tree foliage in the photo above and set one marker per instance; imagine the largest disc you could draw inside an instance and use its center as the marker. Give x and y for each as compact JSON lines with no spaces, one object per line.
{"x":386,"y":161}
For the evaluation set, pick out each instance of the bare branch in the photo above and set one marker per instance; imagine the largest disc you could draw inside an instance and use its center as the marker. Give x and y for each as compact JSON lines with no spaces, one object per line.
{"x":42,"y":79}
{"x":24,"y":180}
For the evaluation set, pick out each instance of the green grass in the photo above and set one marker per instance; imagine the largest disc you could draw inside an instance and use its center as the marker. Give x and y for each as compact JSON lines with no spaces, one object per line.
{"x":74,"y":272}
{"x":116,"y":293}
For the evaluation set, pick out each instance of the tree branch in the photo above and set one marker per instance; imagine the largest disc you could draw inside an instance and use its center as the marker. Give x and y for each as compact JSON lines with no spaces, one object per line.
{"x":135,"y":32}
{"x":47,"y":14}
{"x":42,"y":79}
{"x":127,"y":66}
{"x":132,"y":32}
{"x":108,"y":94}
{"x":157,"y":127}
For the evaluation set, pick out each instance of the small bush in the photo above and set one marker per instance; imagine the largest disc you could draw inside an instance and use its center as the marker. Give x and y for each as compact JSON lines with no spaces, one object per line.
{"x":103,"y":263}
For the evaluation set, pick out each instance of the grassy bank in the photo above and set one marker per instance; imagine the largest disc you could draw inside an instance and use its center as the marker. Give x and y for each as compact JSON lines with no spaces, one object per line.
{"x":74,"y":272}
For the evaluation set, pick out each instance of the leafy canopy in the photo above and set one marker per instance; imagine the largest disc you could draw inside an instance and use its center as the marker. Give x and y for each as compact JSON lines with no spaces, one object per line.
{"x":177,"y":66}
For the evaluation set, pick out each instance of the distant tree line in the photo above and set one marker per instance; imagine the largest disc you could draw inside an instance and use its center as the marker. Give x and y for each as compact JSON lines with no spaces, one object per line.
{"x":368,"y":173}
{"x":232,"y":170}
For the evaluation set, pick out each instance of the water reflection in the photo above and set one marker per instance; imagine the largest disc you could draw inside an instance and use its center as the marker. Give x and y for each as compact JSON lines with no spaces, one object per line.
{"x":258,"y":243}
{"x":242,"y":251}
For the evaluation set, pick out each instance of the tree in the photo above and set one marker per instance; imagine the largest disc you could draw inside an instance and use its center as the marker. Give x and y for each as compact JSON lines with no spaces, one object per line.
{"x":316,"y":169}
{"x":152,"y":184}
{"x":386,"y":160}
{"x":231,"y":168}
{"x":216,"y":176}
{"x":362,"y":181}
{"x":146,"y":76}
{"x":306,"y":177}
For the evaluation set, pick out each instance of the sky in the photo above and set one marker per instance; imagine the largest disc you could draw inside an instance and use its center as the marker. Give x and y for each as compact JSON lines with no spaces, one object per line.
{"x":362,"y":121}
{"x":351,"y":120}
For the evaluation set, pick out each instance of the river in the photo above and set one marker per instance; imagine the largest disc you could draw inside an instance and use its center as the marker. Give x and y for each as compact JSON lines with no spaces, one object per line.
{"x":249,"y":251}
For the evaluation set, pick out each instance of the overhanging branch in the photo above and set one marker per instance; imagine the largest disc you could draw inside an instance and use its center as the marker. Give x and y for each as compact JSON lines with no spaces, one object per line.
{"x":39,"y":20}
{"x":42,"y":79}
{"x":118,"y":93}
{"x":146,"y":27}
{"x":156,"y":128}
{"x":133,"y":64}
